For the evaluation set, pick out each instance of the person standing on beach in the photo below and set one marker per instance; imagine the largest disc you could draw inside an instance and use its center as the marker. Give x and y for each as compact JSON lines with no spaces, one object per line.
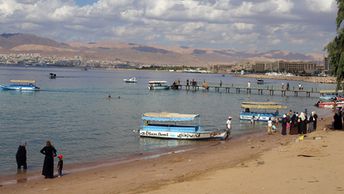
{"x":60,"y":165}
{"x":220,"y":83}
{"x":229,"y":126}
{"x":284,"y":125}
{"x":229,"y":123}
{"x":269,"y":126}
{"x":315,"y":120}
{"x":21,"y":156}
{"x":287,"y":86}
{"x":48,"y":166}
{"x":282,"y":86}
{"x":310,"y":123}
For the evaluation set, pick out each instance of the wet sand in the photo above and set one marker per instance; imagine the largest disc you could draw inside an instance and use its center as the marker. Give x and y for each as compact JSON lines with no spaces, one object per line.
{"x":256,"y":163}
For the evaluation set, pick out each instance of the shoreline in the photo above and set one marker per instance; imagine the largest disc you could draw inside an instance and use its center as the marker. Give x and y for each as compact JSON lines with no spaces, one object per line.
{"x":155,"y":173}
{"x":311,"y":79}
{"x":11,"y":178}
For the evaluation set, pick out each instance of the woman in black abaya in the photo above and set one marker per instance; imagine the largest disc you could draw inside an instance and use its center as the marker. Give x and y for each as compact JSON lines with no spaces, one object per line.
{"x":48,"y":166}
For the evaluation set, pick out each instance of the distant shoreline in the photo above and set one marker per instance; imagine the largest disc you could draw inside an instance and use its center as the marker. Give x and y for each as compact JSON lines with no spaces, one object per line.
{"x":312,"y":79}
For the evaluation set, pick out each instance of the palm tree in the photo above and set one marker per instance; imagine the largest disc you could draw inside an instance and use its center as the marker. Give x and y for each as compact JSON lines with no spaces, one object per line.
{"x":335,"y":48}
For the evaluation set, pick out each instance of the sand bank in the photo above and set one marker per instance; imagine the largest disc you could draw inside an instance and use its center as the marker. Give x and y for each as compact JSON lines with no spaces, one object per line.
{"x":313,"y":79}
{"x":256,"y":163}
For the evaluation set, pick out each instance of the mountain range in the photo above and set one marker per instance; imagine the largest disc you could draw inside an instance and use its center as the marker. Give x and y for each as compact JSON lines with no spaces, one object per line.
{"x":138,"y":53}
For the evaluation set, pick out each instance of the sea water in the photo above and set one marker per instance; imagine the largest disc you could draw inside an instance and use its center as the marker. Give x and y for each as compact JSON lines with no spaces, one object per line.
{"x":75,"y":113}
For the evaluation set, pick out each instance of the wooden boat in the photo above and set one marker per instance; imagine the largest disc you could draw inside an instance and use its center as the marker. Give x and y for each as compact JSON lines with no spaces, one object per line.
{"x":177,"y":126}
{"x":247,"y":114}
{"x":130,"y":80}
{"x":21,"y":85}
{"x":158,"y":85}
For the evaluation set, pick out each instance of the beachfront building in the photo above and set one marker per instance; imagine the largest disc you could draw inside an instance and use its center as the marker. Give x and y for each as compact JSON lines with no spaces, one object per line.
{"x":286,"y":66}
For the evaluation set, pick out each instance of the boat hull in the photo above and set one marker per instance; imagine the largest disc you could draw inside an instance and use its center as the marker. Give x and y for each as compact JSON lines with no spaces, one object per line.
{"x":158,"y":87}
{"x":258,"y":116}
{"x":184,"y":135}
{"x":20,"y":88}
{"x":130,"y":80}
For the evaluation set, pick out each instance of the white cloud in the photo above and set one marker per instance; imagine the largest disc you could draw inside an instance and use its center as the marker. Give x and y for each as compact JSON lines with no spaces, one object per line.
{"x":8,"y":7}
{"x":243,"y":26}
{"x":205,"y":23}
{"x":321,"y":5}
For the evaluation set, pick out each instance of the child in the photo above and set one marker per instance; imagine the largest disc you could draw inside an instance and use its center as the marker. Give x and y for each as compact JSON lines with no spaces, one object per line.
{"x":60,"y":164}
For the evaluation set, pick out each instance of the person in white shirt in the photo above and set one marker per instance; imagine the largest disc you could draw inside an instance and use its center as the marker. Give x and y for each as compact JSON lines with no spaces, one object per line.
{"x":229,"y":122}
{"x":248,"y":84}
{"x":269,"y":126}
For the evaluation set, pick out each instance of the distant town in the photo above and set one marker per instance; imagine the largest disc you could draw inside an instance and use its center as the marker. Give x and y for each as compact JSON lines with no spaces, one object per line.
{"x":295,"y":67}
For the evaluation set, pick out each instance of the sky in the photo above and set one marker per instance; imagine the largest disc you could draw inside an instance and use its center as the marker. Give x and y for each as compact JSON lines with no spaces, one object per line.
{"x":246,"y":25}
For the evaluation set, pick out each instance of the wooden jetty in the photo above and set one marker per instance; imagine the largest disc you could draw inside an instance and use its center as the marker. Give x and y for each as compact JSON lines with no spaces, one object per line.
{"x":259,"y":90}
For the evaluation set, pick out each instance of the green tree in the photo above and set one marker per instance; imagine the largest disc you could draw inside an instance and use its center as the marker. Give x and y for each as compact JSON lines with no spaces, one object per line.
{"x":335,"y":48}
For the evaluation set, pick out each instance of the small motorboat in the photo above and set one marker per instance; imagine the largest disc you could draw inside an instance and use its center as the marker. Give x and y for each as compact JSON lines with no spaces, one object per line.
{"x":260,"y":81}
{"x":52,"y":76}
{"x":158,"y":85}
{"x":21,"y":85}
{"x":130,"y":80}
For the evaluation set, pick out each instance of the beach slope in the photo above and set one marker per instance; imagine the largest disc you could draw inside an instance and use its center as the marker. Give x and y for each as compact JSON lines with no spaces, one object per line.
{"x":256,"y":163}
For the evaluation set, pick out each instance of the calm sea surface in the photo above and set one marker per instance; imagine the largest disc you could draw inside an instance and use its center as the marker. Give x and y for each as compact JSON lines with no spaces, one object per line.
{"x":74,"y":113}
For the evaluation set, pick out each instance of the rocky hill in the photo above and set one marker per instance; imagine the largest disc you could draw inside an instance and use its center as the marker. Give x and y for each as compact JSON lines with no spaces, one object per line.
{"x":145,"y":54}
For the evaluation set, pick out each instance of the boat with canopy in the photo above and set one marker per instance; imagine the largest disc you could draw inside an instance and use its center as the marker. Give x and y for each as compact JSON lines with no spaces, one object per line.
{"x":22,"y":85}
{"x":247,"y":114}
{"x":158,"y":85}
{"x":130,"y":80}
{"x":177,"y":126}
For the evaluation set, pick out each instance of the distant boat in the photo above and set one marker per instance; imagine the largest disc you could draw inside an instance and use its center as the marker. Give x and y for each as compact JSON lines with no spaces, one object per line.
{"x":130,"y":80}
{"x":158,"y":85}
{"x":260,"y":81}
{"x":21,"y":85}
{"x":177,"y":126}
{"x":52,"y":76}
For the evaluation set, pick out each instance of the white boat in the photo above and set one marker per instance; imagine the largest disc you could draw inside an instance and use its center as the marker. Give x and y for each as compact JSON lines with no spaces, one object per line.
{"x":165,"y":125}
{"x":21,"y":85}
{"x":158,"y":85}
{"x":130,"y":80}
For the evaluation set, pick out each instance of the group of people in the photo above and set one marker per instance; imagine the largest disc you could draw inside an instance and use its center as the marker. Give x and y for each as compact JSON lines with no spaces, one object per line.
{"x":48,"y":166}
{"x":295,"y":123}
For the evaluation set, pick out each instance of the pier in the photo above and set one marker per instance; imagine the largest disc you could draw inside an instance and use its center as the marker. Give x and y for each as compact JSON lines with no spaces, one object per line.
{"x":257,"y":90}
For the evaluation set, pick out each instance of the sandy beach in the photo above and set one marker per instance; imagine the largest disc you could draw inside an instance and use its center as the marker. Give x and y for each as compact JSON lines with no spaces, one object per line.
{"x":256,"y":163}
